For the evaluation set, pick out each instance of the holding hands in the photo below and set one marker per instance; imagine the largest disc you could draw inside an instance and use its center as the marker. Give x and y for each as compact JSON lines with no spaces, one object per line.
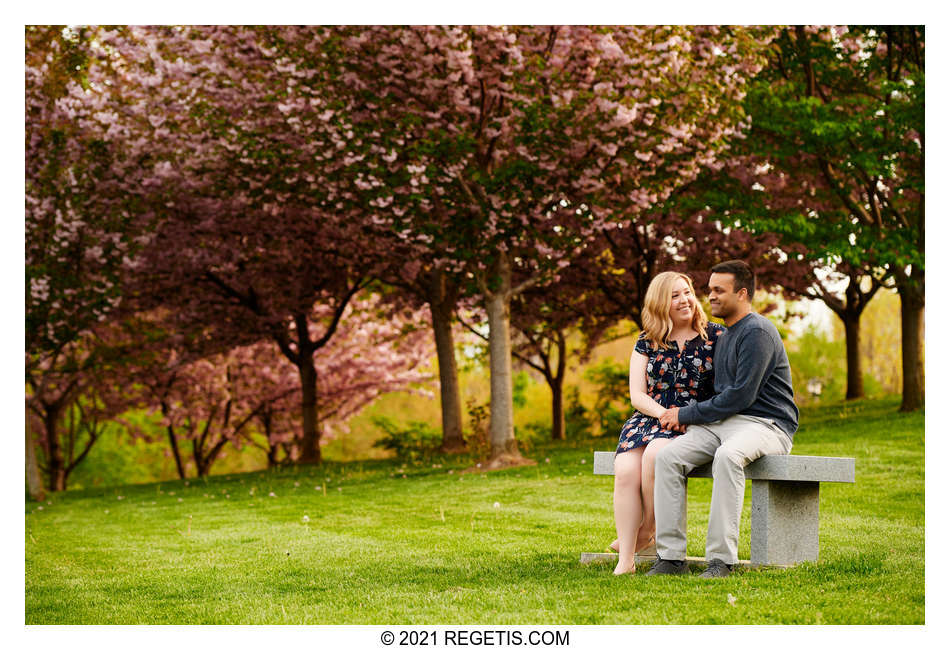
{"x":670,"y":420}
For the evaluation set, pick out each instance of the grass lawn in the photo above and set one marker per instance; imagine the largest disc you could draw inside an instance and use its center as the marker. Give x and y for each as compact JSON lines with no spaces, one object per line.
{"x":384,"y":542}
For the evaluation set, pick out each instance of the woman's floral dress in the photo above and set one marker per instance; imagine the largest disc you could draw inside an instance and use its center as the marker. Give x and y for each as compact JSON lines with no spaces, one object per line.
{"x":674,"y":378}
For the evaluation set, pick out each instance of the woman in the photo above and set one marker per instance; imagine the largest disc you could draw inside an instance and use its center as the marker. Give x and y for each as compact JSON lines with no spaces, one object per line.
{"x":671,"y":365}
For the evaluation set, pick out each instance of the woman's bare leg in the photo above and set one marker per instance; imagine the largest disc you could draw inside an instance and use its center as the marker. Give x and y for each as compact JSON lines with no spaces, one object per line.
{"x":647,"y":480}
{"x":628,"y":507}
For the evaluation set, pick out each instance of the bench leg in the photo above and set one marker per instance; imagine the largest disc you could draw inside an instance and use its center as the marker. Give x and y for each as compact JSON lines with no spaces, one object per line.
{"x":784,"y":522}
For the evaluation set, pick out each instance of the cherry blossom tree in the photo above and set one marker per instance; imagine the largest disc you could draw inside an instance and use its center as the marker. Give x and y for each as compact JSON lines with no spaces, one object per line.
{"x":72,"y":394}
{"x":473,"y":137}
{"x":85,"y":212}
{"x":246,"y":394}
{"x":464,"y":140}
{"x":210,"y":105}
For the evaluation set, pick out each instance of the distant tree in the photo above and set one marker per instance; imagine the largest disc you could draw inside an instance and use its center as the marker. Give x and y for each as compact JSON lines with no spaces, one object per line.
{"x":838,"y":153}
{"x":847,"y":291}
{"x":71,"y":395}
{"x":245,"y":394}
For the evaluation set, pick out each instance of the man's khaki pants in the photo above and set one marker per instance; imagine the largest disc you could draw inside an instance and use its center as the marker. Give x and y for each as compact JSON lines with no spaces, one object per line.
{"x":730,"y":444}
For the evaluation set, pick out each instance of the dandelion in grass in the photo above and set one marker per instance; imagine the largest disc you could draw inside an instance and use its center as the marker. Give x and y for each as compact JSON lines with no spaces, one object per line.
{"x":120,"y":497}
{"x":317,"y":487}
{"x":272,"y":495}
{"x":496,"y":505}
{"x":306,"y":519}
{"x":39,"y":507}
{"x":180,"y":499}
{"x":731,"y":599}
{"x":583,"y":461}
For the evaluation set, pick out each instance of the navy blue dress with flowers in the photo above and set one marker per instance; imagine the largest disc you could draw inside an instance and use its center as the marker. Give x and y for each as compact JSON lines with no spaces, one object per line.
{"x":674,"y":378}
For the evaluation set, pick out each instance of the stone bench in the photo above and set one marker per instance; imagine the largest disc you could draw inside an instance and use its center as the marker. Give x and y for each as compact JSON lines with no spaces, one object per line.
{"x":784,"y":508}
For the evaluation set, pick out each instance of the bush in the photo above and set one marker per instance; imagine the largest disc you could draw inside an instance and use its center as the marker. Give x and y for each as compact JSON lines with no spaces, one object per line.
{"x":477,"y":438}
{"x":577,"y":419}
{"x":612,"y":405}
{"x":410,"y":441}
{"x":813,"y":358}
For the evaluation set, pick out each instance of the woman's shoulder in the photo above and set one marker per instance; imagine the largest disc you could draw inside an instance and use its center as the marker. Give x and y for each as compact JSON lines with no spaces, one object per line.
{"x":714,"y":330}
{"x":644,"y":345}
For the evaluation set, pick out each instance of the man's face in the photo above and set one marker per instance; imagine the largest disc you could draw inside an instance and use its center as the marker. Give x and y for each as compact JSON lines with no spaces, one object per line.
{"x":723,"y":300}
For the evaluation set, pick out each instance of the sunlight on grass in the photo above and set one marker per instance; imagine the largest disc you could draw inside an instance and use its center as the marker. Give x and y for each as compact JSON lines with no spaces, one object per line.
{"x":358,"y":543}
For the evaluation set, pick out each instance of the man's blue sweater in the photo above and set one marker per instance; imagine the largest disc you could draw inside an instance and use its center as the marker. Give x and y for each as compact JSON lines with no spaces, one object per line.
{"x":752,"y":377}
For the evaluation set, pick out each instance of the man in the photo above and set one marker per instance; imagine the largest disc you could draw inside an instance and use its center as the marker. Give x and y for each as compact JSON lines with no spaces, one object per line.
{"x":752,"y":414}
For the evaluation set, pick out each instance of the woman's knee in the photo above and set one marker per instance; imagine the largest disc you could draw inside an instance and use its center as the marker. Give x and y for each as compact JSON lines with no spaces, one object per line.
{"x":649,"y":458}
{"x":626,"y":470}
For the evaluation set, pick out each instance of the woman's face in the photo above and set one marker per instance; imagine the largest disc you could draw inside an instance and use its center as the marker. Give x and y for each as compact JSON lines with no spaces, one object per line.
{"x":683,"y":304}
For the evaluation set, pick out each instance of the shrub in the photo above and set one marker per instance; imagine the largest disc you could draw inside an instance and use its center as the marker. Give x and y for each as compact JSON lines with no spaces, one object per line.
{"x":409,"y":441}
{"x":612,"y":405}
{"x":577,"y":419}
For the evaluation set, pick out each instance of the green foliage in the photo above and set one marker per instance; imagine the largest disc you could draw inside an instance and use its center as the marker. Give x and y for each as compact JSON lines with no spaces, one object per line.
{"x":815,"y":358}
{"x":612,"y":404}
{"x":410,"y":441}
{"x":477,"y":436}
{"x":815,"y":355}
{"x":118,"y":458}
{"x":519,"y":386}
{"x":577,"y":418}
{"x":368,"y":546}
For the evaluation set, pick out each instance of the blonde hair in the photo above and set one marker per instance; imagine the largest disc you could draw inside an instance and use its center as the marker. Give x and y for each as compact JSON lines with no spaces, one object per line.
{"x":657,"y":324}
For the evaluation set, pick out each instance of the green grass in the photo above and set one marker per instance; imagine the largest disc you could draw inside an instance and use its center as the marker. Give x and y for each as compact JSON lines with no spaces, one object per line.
{"x":431,"y":547}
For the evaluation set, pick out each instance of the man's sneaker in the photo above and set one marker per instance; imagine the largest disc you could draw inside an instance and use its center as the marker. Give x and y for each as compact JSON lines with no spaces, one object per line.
{"x":668,"y":568}
{"x":716,"y":569}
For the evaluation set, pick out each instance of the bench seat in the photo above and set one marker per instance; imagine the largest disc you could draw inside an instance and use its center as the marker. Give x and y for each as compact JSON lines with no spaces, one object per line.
{"x":784,"y":506}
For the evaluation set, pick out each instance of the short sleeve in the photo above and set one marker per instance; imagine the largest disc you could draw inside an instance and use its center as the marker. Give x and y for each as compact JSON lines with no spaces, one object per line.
{"x":643,"y":346}
{"x":714,"y":331}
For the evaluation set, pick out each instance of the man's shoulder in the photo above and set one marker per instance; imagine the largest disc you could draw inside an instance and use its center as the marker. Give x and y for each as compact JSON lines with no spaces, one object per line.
{"x":756,"y":322}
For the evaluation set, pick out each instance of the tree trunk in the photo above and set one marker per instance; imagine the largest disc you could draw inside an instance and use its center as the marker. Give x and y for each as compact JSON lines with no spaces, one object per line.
{"x":911,"y":291}
{"x":558,"y":424}
{"x":852,"y":334}
{"x":173,"y":442}
{"x":310,"y":445}
{"x":176,"y":453}
{"x":557,"y":410}
{"x":34,"y":481}
{"x":55,"y":467}
{"x":441,"y":309}
{"x":504,"y":447}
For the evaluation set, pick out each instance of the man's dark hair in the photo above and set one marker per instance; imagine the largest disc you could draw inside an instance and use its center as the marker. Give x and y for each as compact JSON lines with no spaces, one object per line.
{"x":742,"y":272}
